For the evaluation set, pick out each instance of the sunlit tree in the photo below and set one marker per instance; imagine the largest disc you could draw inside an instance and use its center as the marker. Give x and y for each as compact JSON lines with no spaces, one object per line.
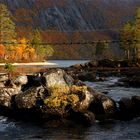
{"x":7,"y":26}
{"x":137,"y":34}
{"x":41,"y":49}
{"x":127,"y":39}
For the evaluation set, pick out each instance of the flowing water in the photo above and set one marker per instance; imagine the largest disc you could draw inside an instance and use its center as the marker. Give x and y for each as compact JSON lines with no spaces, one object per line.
{"x":11,"y":129}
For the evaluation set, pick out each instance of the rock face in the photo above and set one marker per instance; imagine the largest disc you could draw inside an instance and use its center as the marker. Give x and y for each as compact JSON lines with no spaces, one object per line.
{"x":65,"y":15}
{"x":58,"y":95}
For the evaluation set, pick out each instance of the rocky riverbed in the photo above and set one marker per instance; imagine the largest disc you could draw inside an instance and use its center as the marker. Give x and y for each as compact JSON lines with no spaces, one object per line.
{"x":94,"y":71}
{"x":56,"y":95}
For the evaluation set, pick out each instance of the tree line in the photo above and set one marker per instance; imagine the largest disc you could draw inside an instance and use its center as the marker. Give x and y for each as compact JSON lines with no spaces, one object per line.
{"x":31,"y":47}
{"x":13,"y":48}
{"x":130,"y":37}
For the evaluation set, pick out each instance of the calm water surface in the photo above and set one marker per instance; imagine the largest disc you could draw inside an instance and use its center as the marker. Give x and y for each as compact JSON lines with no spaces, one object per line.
{"x":67,"y":63}
{"x":111,"y":130}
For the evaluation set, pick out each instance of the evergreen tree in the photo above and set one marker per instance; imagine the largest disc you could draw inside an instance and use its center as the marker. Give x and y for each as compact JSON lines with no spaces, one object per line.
{"x":130,"y":37}
{"x":101,"y":47}
{"x":41,"y":48}
{"x":127,"y":39}
{"x":137,"y":35}
{"x":7,"y":26}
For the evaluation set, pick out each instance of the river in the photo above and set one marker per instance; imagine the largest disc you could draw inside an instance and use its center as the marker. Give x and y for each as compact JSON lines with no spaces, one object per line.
{"x":11,"y":129}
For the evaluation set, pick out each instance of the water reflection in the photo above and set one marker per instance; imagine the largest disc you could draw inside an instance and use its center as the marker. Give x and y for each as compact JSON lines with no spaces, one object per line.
{"x":109,"y":130}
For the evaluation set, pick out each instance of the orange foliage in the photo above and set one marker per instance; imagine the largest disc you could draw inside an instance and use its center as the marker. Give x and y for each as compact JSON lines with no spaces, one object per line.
{"x":18,"y":51}
{"x":2,"y":50}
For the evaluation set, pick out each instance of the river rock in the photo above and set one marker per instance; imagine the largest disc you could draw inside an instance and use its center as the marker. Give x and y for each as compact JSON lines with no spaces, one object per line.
{"x":129,"y":107}
{"x":133,"y":81}
{"x":21,"y":80}
{"x":2,"y":85}
{"x":92,"y":64}
{"x":136,"y":103}
{"x":107,"y":63}
{"x":29,"y":98}
{"x":102,"y":104}
{"x":3,"y":77}
{"x":57,"y":95}
{"x":6,"y":95}
{"x":87,"y":76}
{"x":56,"y":77}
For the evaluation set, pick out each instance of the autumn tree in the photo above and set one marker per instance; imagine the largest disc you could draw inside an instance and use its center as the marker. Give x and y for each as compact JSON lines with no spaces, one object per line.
{"x":41,"y":49}
{"x":2,"y":51}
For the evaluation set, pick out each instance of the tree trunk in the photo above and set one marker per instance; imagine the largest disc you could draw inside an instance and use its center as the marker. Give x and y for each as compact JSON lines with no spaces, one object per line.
{"x":135,"y":53}
{"x":127,"y":54}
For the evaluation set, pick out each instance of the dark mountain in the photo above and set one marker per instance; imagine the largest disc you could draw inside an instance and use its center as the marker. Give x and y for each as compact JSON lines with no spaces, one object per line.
{"x":68,"y":15}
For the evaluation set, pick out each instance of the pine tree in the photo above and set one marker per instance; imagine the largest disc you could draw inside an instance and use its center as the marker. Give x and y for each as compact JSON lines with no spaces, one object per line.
{"x":101,"y":47}
{"x":127,"y":37}
{"x":7,"y":26}
{"x":137,"y":34}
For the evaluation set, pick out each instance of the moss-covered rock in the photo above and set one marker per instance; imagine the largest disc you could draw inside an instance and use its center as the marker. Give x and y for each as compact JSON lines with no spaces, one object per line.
{"x":30,"y":98}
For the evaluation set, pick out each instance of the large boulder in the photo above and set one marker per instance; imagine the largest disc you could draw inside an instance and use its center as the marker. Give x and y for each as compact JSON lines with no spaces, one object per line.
{"x":56,"y":77}
{"x":9,"y":88}
{"x":6,"y":95}
{"x":107,"y":63}
{"x":30,"y":98}
{"x":87,"y":76}
{"x":102,"y":104}
{"x":69,"y":102}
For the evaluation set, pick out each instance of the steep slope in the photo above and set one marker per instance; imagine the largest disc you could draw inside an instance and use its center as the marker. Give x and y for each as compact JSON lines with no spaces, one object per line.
{"x":68,"y":15}
{"x":75,"y":20}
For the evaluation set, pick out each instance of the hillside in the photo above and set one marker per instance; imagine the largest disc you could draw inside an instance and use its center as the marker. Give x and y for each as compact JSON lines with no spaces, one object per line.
{"x":69,"y":15}
{"x":102,"y":18}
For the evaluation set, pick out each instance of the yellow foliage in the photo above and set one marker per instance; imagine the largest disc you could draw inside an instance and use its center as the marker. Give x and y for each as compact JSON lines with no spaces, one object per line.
{"x":61,"y":96}
{"x":18,"y":50}
{"x":59,"y":90}
{"x":2,"y":50}
{"x":73,"y":98}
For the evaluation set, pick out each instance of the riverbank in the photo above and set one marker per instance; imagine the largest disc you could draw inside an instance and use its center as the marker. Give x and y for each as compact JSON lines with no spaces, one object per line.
{"x":32,"y":64}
